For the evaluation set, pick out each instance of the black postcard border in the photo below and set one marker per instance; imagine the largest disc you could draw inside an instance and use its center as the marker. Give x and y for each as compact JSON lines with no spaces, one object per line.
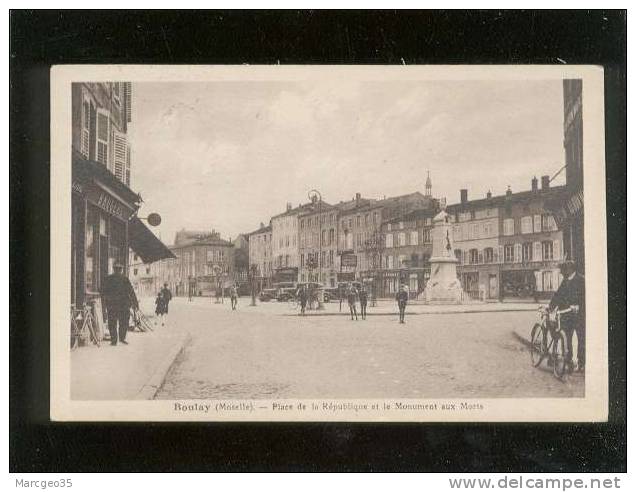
{"x":39,"y":39}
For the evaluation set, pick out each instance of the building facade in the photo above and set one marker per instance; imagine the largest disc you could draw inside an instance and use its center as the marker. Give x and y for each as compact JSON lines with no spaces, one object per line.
{"x":203,"y":263}
{"x":407,"y":251}
{"x":260,"y":255}
{"x":508,"y":246}
{"x":318,"y":244}
{"x":285,"y":251}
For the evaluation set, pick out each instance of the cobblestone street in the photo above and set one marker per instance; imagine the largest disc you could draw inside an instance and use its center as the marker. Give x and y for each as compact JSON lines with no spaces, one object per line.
{"x":257,"y":352}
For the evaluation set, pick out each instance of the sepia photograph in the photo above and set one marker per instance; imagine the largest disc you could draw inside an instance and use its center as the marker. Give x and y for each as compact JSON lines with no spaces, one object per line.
{"x":328,"y":243}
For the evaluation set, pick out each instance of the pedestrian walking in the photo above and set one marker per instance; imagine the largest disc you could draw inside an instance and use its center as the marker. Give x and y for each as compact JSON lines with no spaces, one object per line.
{"x":302,"y":297}
{"x":159,"y":308}
{"x":234,"y":297}
{"x":402,"y":298}
{"x":118,"y":296}
{"x":571,"y":295}
{"x":166,"y":294}
{"x":351,"y":299}
{"x":363,"y":302}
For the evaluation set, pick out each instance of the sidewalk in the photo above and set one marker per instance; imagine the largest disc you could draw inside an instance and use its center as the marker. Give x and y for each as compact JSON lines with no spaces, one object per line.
{"x":125,"y":372}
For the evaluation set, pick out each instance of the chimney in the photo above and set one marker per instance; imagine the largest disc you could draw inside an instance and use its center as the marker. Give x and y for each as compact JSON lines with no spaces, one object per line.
{"x":508,"y":192}
{"x":358,"y":196}
{"x":463,"y":193}
{"x":535,"y":184}
{"x":314,"y":198}
{"x":262,"y":225}
{"x":545,"y":182}
{"x":289,"y":206}
{"x":489,"y":195}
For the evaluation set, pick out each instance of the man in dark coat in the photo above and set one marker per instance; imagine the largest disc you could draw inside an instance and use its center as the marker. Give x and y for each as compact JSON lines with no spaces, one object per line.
{"x":571,"y":294}
{"x":402,"y":298}
{"x":167,"y":297}
{"x":118,"y":296}
{"x":362,"y":295}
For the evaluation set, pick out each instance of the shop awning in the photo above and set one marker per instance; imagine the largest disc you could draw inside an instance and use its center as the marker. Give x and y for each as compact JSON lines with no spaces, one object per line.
{"x":143,"y":242}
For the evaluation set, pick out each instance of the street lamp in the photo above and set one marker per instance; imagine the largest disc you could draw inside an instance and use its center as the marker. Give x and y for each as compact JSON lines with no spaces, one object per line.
{"x":313,"y":195}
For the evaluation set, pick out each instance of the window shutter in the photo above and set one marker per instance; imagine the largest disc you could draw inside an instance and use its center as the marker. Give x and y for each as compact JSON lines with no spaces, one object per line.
{"x":85,"y":136}
{"x":517,"y":253}
{"x":538,"y":281}
{"x":556,"y":246}
{"x":120,"y":152}
{"x":537,"y":223}
{"x":538,"y":255}
{"x":103,"y":130}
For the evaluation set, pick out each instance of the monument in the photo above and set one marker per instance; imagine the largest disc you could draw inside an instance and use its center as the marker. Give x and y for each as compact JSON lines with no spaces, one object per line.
{"x":443,"y":286}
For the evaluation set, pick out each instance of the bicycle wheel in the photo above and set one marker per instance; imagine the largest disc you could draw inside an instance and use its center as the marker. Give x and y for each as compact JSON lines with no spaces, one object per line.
{"x":537,"y":345}
{"x":559,"y":355}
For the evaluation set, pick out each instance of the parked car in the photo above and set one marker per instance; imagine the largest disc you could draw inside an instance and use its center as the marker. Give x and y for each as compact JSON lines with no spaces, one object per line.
{"x":285,"y":291}
{"x":267,"y":295}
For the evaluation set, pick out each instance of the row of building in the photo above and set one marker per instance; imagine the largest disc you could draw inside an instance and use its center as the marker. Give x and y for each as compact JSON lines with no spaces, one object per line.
{"x":507,"y":246}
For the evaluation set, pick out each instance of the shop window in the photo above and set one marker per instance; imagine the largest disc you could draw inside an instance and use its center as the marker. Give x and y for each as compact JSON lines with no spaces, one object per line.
{"x":526,"y":252}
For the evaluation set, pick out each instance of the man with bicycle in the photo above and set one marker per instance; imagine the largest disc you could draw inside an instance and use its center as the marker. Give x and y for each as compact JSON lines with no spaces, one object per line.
{"x":570,"y":297}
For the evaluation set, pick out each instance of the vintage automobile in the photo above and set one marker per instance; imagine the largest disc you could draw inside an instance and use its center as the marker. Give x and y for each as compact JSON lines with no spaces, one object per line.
{"x":285,"y":291}
{"x":267,"y":295}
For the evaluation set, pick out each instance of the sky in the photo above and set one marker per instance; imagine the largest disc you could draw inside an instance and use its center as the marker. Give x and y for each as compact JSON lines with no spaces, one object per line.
{"x":227,"y":155}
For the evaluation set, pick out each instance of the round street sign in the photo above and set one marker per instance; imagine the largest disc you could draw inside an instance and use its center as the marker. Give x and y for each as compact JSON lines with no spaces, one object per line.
{"x":154,"y":219}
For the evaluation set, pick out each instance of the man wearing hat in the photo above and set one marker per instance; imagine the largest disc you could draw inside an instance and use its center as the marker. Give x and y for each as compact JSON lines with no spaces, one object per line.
{"x":118,"y":296}
{"x":571,"y":295}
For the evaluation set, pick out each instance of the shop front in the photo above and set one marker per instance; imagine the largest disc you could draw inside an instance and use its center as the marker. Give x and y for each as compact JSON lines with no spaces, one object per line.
{"x":103,"y":228}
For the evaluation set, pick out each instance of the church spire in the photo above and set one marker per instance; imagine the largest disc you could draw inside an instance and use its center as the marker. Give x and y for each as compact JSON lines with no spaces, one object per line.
{"x":429,"y":185}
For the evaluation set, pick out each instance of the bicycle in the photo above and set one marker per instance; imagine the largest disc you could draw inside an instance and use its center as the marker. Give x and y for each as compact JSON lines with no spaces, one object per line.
{"x":548,"y":340}
{"x":83,"y":326}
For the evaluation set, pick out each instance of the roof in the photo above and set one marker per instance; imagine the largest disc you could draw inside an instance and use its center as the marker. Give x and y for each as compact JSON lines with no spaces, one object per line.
{"x":143,"y":242}
{"x":325,"y":207}
{"x":299,"y":209}
{"x":419,"y":213}
{"x":499,"y":200}
{"x":211,"y":241}
{"x":85,"y":170}
{"x":357,"y":205}
{"x":393,"y":199}
{"x":260,"y":230}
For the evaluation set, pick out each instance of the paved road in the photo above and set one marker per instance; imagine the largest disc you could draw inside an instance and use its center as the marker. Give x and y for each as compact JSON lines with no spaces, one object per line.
{"x":256,"y":352}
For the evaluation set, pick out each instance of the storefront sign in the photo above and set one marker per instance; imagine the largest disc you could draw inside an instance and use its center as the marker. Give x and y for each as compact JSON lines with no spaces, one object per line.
{"x":108,"y":203}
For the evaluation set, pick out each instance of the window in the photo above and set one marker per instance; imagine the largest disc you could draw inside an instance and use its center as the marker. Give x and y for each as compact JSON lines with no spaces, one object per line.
{"x":509,"y":253}
{"x":526,"y":224}
{"x":547,"y":281}
{"x":358,"y":221}
{"x":548,"y":223}
{"x":526,"y":251}
{"x":366,"y":219}
{"x":388,"y":227}
{"x":489,"y":255}
{"x":548,"y":251}
{"x":323,"y":238}
{"x":401,"y":225}
{"x":473,"y":256}
{"x":375,"y":217}
{"x":389,"y":240}
{"x":135,"y":271}
{"x":457,"y":233}
{"x":103,"y":133}
{"x":518,"y":253}
{"x":401,"y":239}
{"x":537,"y":254}
{"x":488,"y":229}
{"x":148,"y":270}
{"x":389,"y":262}
{"x":458,"y":255}
{"x":537,"y":223}
{"x":475,"y":231}
{"x":302,"y":223}
{"x":414,"y":238}
{"x":427,"y":235}
{"x":509,"y":227}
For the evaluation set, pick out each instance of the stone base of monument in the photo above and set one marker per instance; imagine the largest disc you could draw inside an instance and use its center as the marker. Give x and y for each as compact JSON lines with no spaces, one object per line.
{"x":444,"y":287}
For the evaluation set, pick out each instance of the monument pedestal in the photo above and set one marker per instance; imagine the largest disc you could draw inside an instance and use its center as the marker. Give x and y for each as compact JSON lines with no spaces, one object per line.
{"x":443,"y":286}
